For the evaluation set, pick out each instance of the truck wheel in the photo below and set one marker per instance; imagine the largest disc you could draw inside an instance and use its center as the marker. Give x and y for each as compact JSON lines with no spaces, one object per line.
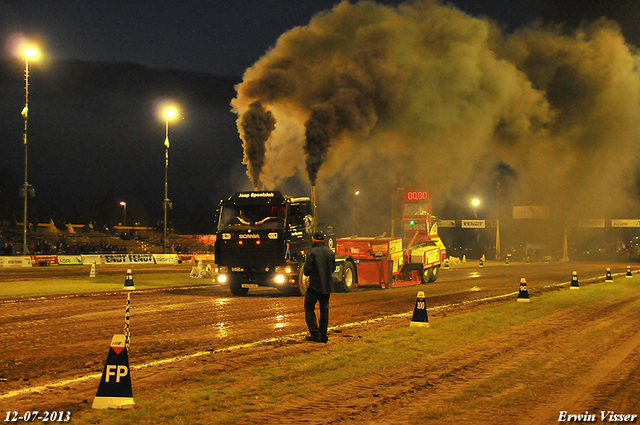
{"x":434,"y":273}
{"x":426,"y":275}
{"x":237,"y":289}
{"x":348,"y":276}
{"x":303,"y":282}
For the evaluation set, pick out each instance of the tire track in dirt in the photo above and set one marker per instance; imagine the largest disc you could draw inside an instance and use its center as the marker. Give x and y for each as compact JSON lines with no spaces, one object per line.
{"x":403,"y":394}
{"x":602,"y":389}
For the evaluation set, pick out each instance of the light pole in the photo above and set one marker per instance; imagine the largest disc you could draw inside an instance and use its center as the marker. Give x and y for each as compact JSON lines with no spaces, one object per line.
{"x":355,"y":195}
{"x":498,"y":220}
{"x":168,"y":114}
{"x":124,"y":221}
{"x":476,"y":203}
{"x":29,"y":52}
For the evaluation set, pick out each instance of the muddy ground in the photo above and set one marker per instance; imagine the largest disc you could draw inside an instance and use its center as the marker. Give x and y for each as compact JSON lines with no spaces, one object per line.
{"x":54,"y":347}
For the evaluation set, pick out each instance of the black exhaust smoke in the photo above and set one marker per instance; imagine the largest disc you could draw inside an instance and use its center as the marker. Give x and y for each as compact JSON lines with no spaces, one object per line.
{"x":256,"y":126}
{"x":369,"y":94}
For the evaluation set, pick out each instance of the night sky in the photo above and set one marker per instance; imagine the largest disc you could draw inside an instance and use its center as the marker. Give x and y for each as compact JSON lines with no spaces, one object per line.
{"x":219,"y":37}
{"x":94,"y":130}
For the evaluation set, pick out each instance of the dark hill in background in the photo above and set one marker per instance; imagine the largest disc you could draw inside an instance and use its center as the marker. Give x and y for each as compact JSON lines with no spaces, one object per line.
{"x":96,"y":138}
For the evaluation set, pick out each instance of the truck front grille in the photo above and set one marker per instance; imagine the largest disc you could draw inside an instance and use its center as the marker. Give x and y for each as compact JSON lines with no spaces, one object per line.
{"x":250,"y":255}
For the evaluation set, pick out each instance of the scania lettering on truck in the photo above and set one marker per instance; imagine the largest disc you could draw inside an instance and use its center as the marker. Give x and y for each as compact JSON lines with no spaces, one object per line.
{"x":262,"y":238}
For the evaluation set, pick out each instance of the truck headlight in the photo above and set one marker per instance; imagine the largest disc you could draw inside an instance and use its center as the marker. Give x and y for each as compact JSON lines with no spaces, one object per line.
{"x":222,"y":278}
{"x":285,"y":269}
{"x":279,"y":279}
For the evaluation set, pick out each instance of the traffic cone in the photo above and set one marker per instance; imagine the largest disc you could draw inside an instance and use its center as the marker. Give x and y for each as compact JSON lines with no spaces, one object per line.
{"x":629,"y":275}
{"x":114,"y":390}
{"x":446,"y":264}
{"x":420,"y":317}
{"x":92,"y":273}
{"x":574,"y":281}
{"x":523,"y":294}
{"x":608,"y":277}
{"x":481,"y":263}
{"x":506,"y":261}
{"x":464,"y":258}
{"x":128,"y":281}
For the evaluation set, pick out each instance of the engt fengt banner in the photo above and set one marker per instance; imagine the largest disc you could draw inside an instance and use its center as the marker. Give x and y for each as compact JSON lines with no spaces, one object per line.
{"x":127,"y":259}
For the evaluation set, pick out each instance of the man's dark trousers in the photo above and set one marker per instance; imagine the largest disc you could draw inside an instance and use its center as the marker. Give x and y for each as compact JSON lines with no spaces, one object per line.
{"x":318,"y":331}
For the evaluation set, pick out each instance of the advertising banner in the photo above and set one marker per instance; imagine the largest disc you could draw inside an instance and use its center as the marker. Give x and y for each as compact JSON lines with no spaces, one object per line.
{"x":127,"y":259}
{"x":625,"y":223}
{"x":70,"y":260}
{"x":447,"y":223}
{"x":44,"y":260}
{"x":91,"y":258}
{"x":472,"y":224}
{"x":589,"y":222}
{"x":205,"y":258}
{"x":531,"y":212}
{"x":15,"y":261}
{"x":186,"y":258}
{"x":166,"y":258}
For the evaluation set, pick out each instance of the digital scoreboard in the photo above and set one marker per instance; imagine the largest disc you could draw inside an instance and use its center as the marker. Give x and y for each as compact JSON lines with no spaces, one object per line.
{"x":415,"y":195}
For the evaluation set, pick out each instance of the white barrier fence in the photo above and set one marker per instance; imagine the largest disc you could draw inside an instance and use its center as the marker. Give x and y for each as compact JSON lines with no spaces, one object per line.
{"x":70,"y":260}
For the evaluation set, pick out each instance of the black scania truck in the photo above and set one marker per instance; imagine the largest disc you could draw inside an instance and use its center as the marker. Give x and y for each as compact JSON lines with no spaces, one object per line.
{"x":261,"y":240}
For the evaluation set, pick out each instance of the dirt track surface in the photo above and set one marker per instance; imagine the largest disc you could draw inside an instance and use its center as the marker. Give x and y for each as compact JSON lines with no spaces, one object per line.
{"x":56,"y":339}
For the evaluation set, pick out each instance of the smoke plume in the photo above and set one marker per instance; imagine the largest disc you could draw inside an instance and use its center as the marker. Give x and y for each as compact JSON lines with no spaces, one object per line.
{"x":371,"y":97}
{"x":255,"y":126}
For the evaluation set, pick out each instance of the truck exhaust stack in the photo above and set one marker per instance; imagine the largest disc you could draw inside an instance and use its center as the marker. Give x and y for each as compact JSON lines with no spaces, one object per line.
{"x":313,"y":206}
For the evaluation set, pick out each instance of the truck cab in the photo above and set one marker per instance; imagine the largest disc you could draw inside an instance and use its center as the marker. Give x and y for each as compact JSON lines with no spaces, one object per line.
{"x":262,"y":238}
{"x":424,"y":250}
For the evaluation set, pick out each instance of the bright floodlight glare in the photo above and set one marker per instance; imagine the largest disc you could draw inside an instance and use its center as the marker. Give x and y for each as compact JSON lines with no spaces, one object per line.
{"x":170,"y":113}
{"x":30,"y":52}
{"x":123,"y":203}
{"x":357,"y":192}
{"x":476,"y":202}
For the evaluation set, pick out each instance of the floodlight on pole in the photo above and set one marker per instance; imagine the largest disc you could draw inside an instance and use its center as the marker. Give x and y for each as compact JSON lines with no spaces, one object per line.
{"x":124,"y":221}
{"x":168,"y":114}
{"x":354,"y":226}
{"x":28,"y":53}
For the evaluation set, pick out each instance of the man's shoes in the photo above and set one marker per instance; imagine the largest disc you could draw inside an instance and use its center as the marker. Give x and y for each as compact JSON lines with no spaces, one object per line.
{"x":324,"y":339}
{"x":312,"y":339}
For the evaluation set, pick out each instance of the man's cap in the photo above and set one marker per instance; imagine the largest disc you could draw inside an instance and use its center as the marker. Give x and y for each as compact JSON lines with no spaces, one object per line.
{"x":319,"y":236}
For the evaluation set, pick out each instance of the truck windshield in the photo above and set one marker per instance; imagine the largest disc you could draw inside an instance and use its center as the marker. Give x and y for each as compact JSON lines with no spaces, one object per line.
{"x":417,"y":208}
{"x":252,"y":217}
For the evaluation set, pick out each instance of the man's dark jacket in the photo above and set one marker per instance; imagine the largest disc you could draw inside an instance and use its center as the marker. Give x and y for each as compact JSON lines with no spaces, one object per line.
{"x":319,"y":265}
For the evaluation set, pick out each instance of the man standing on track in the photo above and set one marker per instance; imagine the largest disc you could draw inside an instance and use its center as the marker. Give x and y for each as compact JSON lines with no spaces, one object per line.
{"x":319,"y":266}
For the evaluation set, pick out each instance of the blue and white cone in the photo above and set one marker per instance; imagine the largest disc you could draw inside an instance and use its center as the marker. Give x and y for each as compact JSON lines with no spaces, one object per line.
{"x":506,"y":261}
{"x":481,"y":263}
{"x":420,"y":317}
{"x":523,"y":293}
{"x":608,"y":277}
{"x":629,"y":275}
{"x":446,"y":264}
{"x":114,"y":390}
{"x":574,"y":281}
{"x":128,"y":281}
